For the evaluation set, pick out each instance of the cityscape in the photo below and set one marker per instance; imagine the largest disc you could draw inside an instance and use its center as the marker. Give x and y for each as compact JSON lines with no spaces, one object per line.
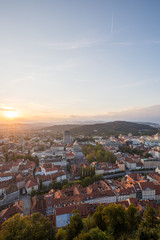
{"x":79,"y":120}
{"x":54,"y":173}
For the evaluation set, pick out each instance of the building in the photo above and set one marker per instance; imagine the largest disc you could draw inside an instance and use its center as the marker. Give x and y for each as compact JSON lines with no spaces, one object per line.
{"x":157,"y":137}
{"x":67,"y":137}
{"x":157,"y":154}
{"x":130,"y":164}
{"x":148,"y":190}
{"x":31,"y":185}
{"x":121,"y":165}
{"x":151,"y":162}
{"x":76,"y":147}
{"x":57,"y":148}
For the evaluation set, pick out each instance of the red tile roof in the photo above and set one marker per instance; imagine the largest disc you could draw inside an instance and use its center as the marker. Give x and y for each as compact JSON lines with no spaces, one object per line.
{"x":145,"y":185}
{"x":31,"y":183}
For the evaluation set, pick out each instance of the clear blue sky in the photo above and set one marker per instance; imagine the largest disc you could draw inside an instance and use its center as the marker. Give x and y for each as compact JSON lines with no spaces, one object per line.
{"x":62,"y":59}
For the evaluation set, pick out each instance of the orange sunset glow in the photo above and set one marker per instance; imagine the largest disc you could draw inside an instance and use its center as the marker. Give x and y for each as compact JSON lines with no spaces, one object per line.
{"x":11,"y":114}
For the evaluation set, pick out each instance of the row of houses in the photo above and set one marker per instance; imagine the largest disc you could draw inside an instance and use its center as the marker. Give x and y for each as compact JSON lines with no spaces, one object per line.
{"x":105,"y":191}
{"x":19,"y":166}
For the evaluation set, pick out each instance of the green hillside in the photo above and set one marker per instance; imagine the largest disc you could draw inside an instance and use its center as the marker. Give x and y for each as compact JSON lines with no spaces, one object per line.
{"x":114,"y":128}
{"x":60,"y":129}
{"x":103,"y":129}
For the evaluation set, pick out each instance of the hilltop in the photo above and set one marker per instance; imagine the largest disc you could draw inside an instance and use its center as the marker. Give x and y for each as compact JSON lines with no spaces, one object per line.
{"x":110,"y":128}
{"x":59,"y":129}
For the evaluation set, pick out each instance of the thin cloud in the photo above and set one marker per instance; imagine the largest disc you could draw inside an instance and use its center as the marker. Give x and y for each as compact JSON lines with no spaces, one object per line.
{"x":149,"y":42}
{"x":20,"y":80}
{"x":75,"y":45}
{"x":155,"y":42}
{"x":87,"y":44}
{"x":122,"y":43}
{"x":144,"y":114}
{"x":7,"y":109}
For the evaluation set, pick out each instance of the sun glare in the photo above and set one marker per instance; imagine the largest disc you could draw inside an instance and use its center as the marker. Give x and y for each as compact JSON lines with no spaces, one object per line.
{"x":11,"y":114}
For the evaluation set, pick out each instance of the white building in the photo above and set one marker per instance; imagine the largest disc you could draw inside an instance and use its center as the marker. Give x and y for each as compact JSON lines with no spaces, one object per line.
{"x":67,"y":137}
{"x":57,"y":147}
{"x":31,"y":185}
{"x":148,"y":190}
{"x":150,"y":162}
{"x":130,"y":164}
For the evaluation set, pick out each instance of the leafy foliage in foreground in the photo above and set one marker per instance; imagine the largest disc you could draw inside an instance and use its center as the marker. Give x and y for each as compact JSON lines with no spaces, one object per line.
{"x":34,"y":227}
{"x":113,"y":222}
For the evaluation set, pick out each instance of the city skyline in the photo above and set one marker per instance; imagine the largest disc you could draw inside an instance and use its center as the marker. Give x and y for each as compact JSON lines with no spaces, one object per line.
{"x":78,"y":61}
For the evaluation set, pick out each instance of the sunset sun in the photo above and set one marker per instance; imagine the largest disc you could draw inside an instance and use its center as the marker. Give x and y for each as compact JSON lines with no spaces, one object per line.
{"x":11,"y":114}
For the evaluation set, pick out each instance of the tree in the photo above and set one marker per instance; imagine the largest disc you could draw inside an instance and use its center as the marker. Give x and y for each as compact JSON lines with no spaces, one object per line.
{"x":98,"y":218}
{"x":87,"y":224}
{"x":133,"y":219}
{"x":40,"y":184}
{"x":93,"y":234}
{"x":61,"y":234}
{"x":147,"y":155}
{"x":65,"y":181}
{"x":34,"y":227}
{"x":33,"y":192}
{"x":92,"y":171}
{"x":57,"y":185}
{"x":150,"y":218}
{"x":148,"y":228}
{"x":36,"y":160}
{"x":74,"y":227}
{"x":81,"y":173}
{"x":86,"y":181}
{"x":97,"y":177}
{"x":91,"y":157}
{"x":88,"y":171}
{"x":98,"y":153}
{"x":6,"y":156}
{"x":69,"y":167}
{"x":115,"y":219}
{"x":97,"y":234}
{"x":146,"y":233}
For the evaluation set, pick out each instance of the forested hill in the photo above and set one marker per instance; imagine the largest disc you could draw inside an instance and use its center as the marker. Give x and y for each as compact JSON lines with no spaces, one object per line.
{"x":110,"y":128}
{"x":114,"y":128}
{"x":61,"y":128}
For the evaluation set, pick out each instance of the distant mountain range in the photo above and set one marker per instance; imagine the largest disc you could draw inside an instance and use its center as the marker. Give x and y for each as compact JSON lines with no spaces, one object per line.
{"x":109,"y":128}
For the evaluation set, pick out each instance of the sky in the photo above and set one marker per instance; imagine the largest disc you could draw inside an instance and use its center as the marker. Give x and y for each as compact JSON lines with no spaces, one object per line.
{"x":80,"y":60}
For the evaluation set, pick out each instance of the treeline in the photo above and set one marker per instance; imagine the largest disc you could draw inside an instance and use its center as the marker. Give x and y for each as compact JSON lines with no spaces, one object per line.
{"x":85,"y":182}
{"x":34,"y":227}
{"x":85,"y":139}
{"x":98,"y":153}
{"x":15,"y":157}
{"x":113,"y":128}
{"x":113,"y":222}
{"x":88,"y":171}
{"x":126,"y":149}
{"x":90,"y":180}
